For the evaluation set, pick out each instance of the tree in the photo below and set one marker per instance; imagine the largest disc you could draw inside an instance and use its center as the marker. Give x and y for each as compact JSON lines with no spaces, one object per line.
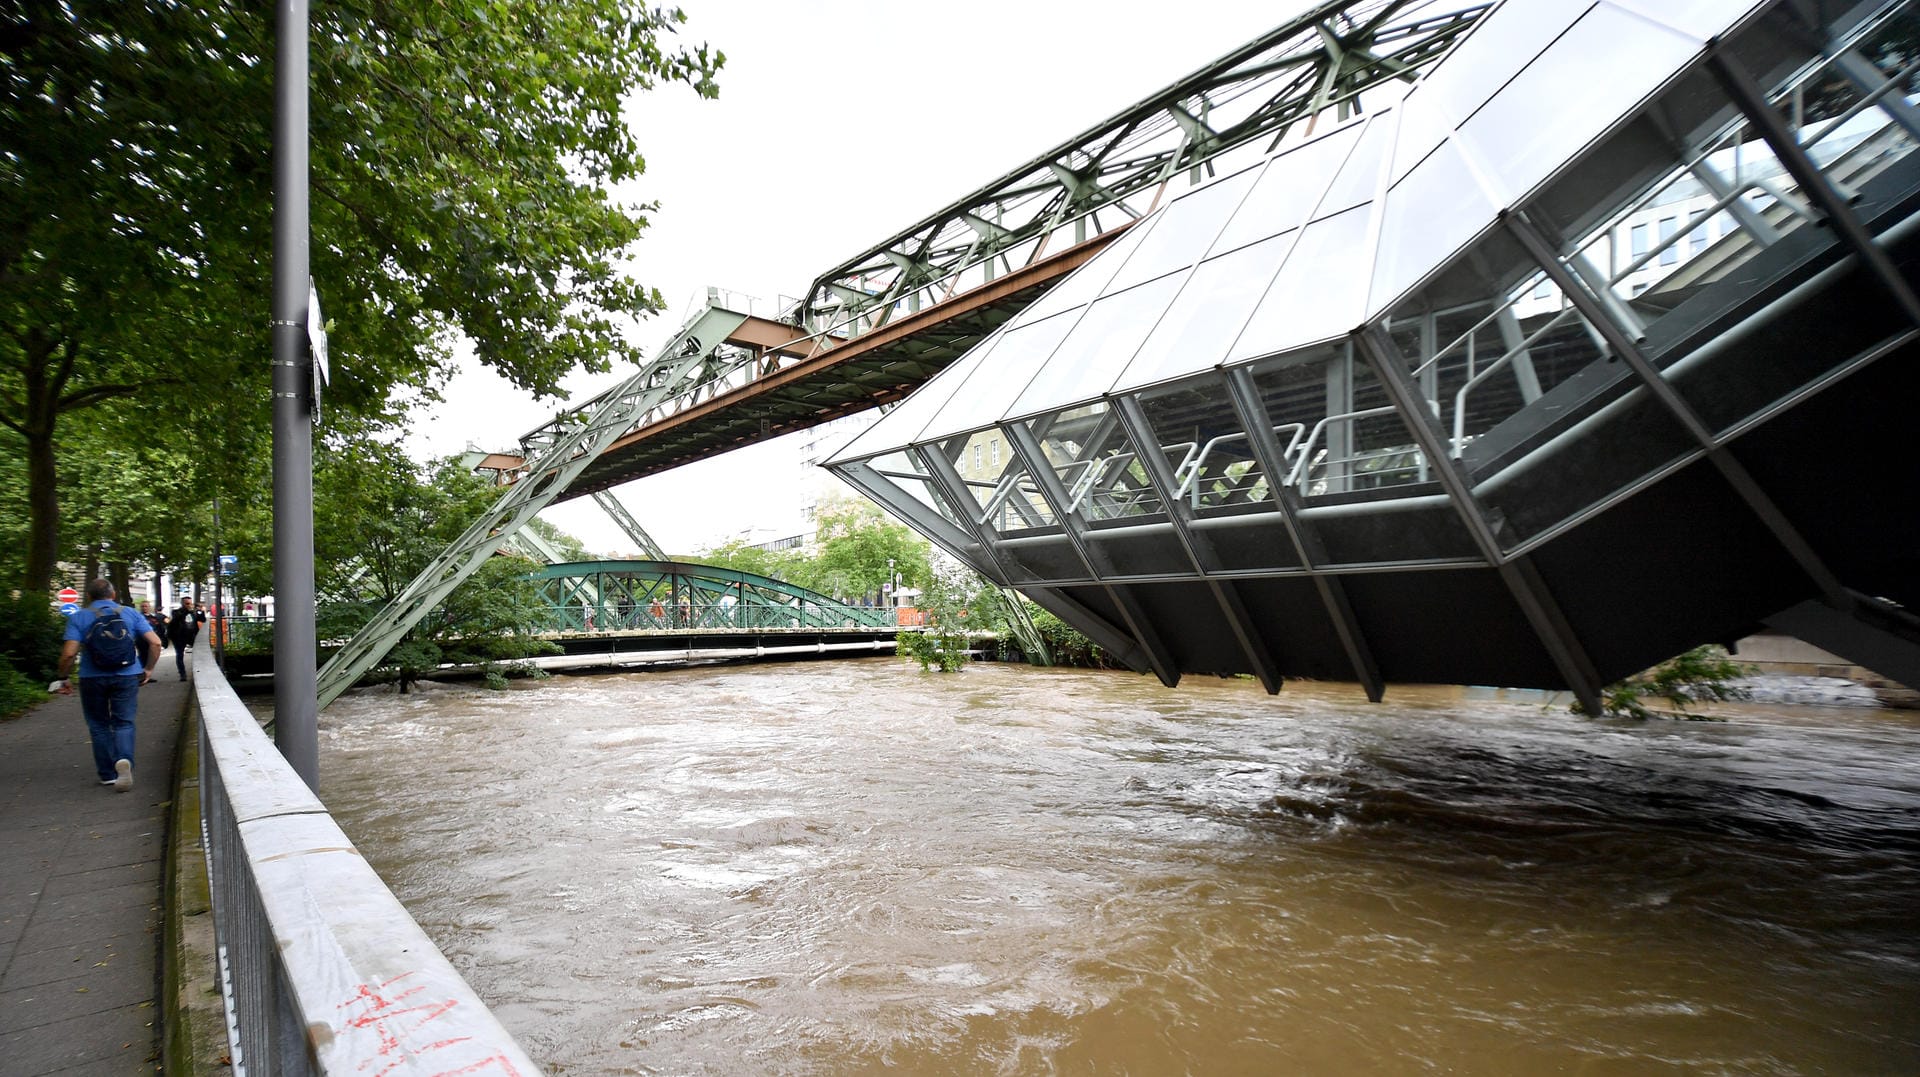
{"x":736,"y":554}
{"x":856,"y":543}
{"x":460,"y":156}
{"x":1703,"y":674}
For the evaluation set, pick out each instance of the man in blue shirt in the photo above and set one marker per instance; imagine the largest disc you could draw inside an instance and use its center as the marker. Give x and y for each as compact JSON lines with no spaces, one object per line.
{"x":109,"y":699}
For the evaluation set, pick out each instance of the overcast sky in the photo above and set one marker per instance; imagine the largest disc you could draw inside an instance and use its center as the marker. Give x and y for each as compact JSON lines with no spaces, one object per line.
{"x":838,"y":124}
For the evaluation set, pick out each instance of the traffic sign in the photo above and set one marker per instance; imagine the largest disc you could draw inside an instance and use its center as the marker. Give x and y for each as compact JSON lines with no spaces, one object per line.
{"x":68,"y":609}
{"x":68,"y":596}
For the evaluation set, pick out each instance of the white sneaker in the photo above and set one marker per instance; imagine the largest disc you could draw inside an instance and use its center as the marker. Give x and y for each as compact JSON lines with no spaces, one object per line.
{"x":124,"y":770}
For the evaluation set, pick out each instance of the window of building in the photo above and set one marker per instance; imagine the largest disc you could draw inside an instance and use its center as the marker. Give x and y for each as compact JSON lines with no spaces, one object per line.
{"x":995,"y":449}
{"x":1640,"y":247}
{"x":1670,"y":253}
{"x":1542,"y":288}
{"x":1697,"y":242}
{"x":976,"y":456}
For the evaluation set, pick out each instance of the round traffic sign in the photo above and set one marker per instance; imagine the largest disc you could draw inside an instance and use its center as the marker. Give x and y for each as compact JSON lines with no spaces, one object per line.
{"x":68,"y":596}
{"x":68,"y":609}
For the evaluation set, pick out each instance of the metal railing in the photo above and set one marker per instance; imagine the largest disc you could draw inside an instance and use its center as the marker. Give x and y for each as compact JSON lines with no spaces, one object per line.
{"x":323,"y":970}
{"x":717,"y":615}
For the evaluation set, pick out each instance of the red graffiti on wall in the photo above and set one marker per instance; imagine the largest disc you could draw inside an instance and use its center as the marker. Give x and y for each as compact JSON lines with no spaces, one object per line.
{"x":396,"y":1019}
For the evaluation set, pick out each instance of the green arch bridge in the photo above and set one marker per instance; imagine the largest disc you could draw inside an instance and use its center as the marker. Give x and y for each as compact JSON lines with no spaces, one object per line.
{"x":680,"y":596}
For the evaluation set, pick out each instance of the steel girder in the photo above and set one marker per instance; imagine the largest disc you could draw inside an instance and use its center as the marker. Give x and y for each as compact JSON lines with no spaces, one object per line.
{"x":677,"y":595}
{"x":1114,"y":173}
{"x":612,"y":507}
{"x":564,"y":449}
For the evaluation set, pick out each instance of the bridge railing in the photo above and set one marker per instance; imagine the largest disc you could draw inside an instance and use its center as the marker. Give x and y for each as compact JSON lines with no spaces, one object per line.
{"x":720,"y":616}
{"x":323,"y":970}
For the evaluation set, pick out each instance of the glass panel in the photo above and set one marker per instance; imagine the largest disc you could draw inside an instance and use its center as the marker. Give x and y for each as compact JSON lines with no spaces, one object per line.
{"x":1500,"y":45}
{"x":1090,"y":279}
{"x":1336,"y":428}
{"x":1287,"y":191}
{"x":1102,"y":474}
{"x":1318,"y":293}
{"x":907,"y":471}
{"x":1428,"y":216}
{"x":1359,"y":177}
{"x":1187,"y":228}
{"x":1208,"y":314}
{"x":905,"y":423}
{"x":1008,"y":499}
{"x":1091,"y":356}
{"x":1422,"y":128}
{"x":1579,"y":86}
{"x":1209,"y":453}
{"x":1481,"y":365}
{"x":996,"y":382}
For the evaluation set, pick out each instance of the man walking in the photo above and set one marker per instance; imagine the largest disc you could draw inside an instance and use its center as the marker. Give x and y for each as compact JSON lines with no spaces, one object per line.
{"x":156,"y":620}
{"x":182,"y":627}
{"x":109,"y":640}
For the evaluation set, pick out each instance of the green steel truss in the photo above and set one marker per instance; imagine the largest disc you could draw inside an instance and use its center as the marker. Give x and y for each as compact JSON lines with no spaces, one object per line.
{"x":559,"y":453}
{"x":1102,"y":179}
{"x":613,"y":508}
{"x":615,"y":596}
{"x":1114,"y":173}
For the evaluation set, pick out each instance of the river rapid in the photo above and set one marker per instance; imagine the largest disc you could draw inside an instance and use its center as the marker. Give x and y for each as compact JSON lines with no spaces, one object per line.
{"x":853,"y":867}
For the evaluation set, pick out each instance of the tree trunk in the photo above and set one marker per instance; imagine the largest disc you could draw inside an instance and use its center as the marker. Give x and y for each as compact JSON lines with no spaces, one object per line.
{"x":43,"y":491}
{"x":93,"y":566}
{"x":122,"y":579}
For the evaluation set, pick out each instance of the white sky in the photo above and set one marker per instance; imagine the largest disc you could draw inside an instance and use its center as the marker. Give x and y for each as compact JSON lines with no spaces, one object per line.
{"x":838,"y":124}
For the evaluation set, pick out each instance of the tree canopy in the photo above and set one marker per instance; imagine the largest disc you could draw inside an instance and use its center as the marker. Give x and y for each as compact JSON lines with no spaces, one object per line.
{"x":461,"y":157}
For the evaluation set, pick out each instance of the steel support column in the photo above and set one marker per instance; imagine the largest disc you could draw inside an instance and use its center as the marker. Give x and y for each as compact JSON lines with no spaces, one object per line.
{"x":1729,"y":466}
{"x":1523,"y":581}
{"x":1133,"y":419}
{"x":1253,"y":416}
{"x":1752,"y":102}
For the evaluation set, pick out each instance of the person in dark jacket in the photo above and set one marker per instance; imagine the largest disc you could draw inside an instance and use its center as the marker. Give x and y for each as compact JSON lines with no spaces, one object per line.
{"x":182,"y":627}
{"x":156,"y":620}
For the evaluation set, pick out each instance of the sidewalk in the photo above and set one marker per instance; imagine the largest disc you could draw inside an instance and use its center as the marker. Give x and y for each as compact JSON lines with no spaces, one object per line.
{"x":80,"y":884}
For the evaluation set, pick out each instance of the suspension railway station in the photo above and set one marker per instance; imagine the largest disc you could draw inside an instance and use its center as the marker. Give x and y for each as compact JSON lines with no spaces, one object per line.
{"x":1521,"y":344}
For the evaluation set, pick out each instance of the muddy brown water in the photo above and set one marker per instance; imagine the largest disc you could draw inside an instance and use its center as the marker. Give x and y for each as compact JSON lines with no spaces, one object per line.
{"x":855,"y":867}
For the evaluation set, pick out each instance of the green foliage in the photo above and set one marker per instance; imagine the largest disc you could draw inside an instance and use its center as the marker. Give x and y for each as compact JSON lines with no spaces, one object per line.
{"x":570,"y":548}
{"x":460,"y":156}
{"x":18,"y":692}
{"x":30,"y":636}
{"x":950,"y":598}
{"x":786,"y":565}
{"x":855,"y":542}
{"x":29,"y":650}
{"x":1067,"y":645}
{"x":1704,"y":674}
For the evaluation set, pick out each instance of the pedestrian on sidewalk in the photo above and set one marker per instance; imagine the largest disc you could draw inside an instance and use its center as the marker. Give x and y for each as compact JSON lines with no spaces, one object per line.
{"x":117,"y":649}
{"x":156,"y":620}
{"x":182,"y":627}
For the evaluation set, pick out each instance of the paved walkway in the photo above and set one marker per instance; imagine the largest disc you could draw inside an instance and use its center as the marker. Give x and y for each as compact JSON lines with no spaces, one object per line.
{"x":80,"y":882}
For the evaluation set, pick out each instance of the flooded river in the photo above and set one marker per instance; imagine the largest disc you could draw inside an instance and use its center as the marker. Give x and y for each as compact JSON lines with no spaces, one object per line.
{"x":850,"y":867}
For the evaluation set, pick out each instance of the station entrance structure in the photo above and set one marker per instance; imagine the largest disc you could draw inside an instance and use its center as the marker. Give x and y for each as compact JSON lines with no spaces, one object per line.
{"x":878,"y":325}
{"x":1600,"y":344}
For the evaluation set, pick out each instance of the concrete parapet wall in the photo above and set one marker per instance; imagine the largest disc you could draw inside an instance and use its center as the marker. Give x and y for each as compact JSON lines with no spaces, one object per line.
{"x":328,"y":972}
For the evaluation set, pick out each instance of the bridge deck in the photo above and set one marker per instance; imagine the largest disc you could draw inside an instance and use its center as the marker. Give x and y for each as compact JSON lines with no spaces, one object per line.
{"x":804,"y":384}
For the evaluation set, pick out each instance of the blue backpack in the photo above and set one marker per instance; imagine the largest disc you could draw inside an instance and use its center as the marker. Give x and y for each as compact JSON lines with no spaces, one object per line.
{"x":109,"y":642}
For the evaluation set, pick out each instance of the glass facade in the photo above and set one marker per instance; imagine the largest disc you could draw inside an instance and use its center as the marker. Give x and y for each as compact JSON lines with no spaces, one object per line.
{"x":1423,"y":339}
